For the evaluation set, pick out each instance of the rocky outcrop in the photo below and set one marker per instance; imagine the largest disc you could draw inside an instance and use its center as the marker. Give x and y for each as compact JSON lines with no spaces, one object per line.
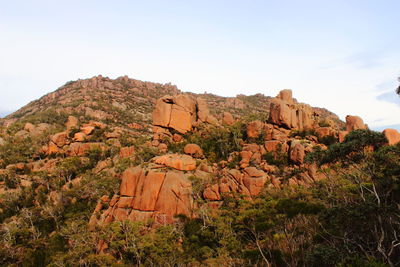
{"x":254,"y":128}
{"x":181,"y":112}
{"x":297,"y":152}
{"x":193,"y":150}
{"x":354,"y":123}
{"x":285,"y":112}
{"x":227,"y":118}
{"x":176,"y":161}
{"x":149,"y":194}
{"x":81,"y":149}
{"x":203,"y":113}
{"x":392,"y":135}
{"x":178,"y":112}
{"x":72,"y":123}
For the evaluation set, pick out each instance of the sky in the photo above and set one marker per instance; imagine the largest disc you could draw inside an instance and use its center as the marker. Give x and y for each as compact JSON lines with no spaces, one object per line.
{"x":342,"y":55}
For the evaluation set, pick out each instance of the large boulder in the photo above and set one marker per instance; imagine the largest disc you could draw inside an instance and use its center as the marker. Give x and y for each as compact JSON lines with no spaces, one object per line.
{"x":72,"y":123}
{"x":285,"y":112}
{"x":297,"y":152}
{"x":203,"y":113}
{"x":227,"y":118}
{"x":181,"y":112}
{"x":354,"y":123}
{"x":254,"y":129}
{"x":193,"y":150}
{"x":146,"y":194}
{"x":280,"y":113}
{"x":392,"y":135}
{"x":176,"y":161}
{"x":80,"y":149}
{"x":60,"y":139}
{"x":178,"y":112}
{"x":286,"y":95}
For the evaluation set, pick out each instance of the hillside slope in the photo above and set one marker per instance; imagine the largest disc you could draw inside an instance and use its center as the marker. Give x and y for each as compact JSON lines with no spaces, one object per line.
{"x":124,"y":172}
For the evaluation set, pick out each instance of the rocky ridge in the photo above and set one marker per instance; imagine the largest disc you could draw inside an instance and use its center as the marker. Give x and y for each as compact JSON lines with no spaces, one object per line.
{"x":157,"y":153}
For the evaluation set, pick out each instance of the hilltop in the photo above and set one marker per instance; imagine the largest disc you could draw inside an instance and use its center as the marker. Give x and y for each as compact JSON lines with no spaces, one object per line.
{"x":124,"y":172}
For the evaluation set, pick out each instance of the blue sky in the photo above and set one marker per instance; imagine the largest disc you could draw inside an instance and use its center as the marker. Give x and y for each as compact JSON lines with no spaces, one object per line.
{"x":341,"y":55}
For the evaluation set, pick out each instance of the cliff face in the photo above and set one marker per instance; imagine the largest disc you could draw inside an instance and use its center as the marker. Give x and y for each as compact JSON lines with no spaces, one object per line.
{"x":101,"y":151}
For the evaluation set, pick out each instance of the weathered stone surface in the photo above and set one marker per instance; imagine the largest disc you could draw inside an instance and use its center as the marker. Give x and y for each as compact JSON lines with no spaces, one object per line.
{"x":126,"y":152}
{"x":135,"y":126}
{"x":254,"y":172}
{"x":227,"y":118}
{"x":125,"y":202}
{"x":203,"y":112}
{"x":140,"y":216}
{"x":79,"y":137}
{"x":280,"y":113}
{"x":284,"y":112}
{"x":324,"y":132}
{"x":88,"y":129}
{"x":392,"y":135}
{"x":286,"y":95}
{"x":72,"y":123}
{"x":176,"y":161}
{"x":175,"y":197}
{"x":255,"y":184}
{"x":342,"y":135}
{"x":80,"y":149}
{"x":193,"y":150}
{"x":181,"y":120}
{"x":254,"y":129}
{"x":147,"y":191}
{"x":29,"y":127}
{"x":162,"y":111}
{"x":272,"y":145}
{"x":212,"y":193}
{"x":297,"y":152}
{"x":60,"y":139}
{"x":130,"y":178}
{"x":354,"y":123}
{"x":177,"y":112}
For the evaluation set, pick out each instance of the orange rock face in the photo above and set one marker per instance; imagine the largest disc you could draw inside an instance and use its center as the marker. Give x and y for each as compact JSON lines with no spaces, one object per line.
{"x":286,"y":95}
{"x":193,"y":150}
{"x":87,"y":129}
{"x":354,"y":123}
{"x":212,"y":193}
{"x":342,"y":135}
{"x":177,"y":112}
{"x":254,"y":129}
{"x":324,"y":131}
{"x":72,"y":122}
{"x":392,"y":135}
{"x":127,"y":152}
{"x":80,"y":149}
{"x":203,"y":113}
{"x":280,"y":113}
{"x":227,"y":118}
{"x":254,"y":180}
{"x":60,"y":139}
{"x":176,"y":161}
{"x":286,"y":113}
{"x":79,"y":137}
{"x":151,"y":194}
{"x":297,"y":153}
{"x":181,"y":112}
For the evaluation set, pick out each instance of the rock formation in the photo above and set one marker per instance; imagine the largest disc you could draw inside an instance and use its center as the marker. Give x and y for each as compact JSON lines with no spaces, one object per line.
{"x":181,"y":112}
{"x":392,"y":135}
{"x":286,"y":112}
